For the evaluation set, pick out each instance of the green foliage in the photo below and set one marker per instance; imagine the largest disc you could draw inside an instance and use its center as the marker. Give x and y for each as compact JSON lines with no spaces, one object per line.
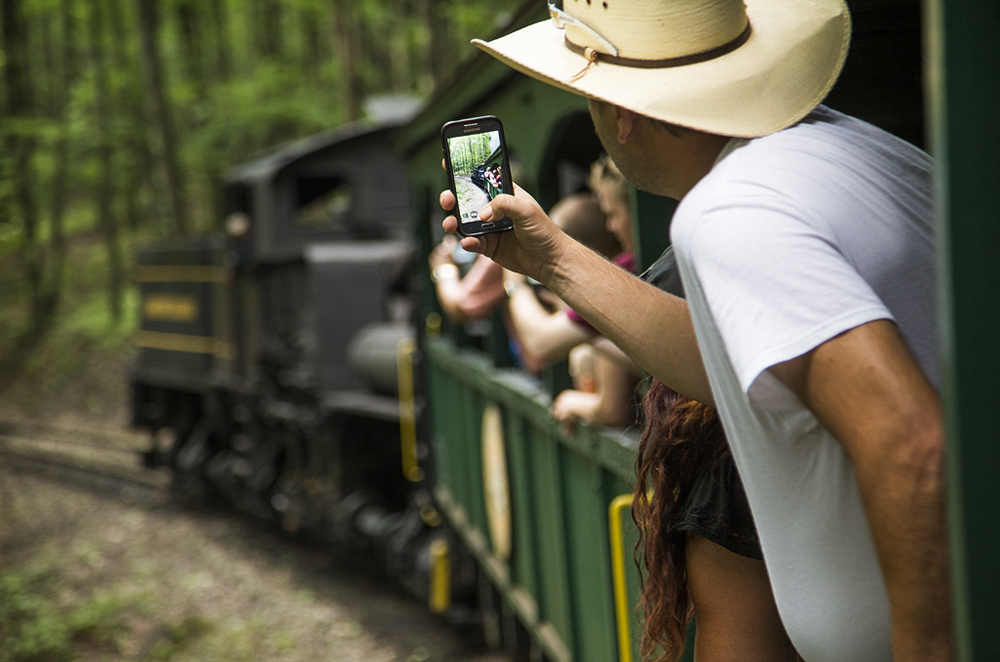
{"x":268,"y":106}
{"x":29,"y":629}
{"x":179,"y":636}
{"x":467,"y":152}
{"x":91,"y":319}
{"x":34,"y":627}
{"x":238,"y":77}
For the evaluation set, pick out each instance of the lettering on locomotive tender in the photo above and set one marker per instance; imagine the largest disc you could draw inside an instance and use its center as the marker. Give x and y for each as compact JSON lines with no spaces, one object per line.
{"x":169,"y":308}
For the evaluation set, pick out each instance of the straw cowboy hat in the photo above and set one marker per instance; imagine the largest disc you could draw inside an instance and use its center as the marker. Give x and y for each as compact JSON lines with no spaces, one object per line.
{"x":719,"y":66}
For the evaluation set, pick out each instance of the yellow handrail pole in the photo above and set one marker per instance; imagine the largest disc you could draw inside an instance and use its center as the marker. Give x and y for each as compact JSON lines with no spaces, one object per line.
{"x":440,"y":588}
{"x":407,"y":409}
{"x":618,"y":504}
{"x":433,"y":324}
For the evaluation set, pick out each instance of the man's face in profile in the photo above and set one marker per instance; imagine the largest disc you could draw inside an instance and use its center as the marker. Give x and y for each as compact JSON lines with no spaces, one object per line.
{"x":625,"y":156}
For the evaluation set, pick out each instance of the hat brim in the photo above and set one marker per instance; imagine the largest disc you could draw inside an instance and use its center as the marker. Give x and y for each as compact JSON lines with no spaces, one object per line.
{"x":794,"y":54}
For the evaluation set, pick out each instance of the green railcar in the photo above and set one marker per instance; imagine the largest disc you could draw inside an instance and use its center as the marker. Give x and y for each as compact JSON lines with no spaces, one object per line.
{"x":530,"y":503}
{"x":541,"y":514}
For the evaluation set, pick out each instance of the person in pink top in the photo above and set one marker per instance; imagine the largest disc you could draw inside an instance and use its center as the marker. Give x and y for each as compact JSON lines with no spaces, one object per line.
{"x":476,"y":295}
{"x":548,"y":336}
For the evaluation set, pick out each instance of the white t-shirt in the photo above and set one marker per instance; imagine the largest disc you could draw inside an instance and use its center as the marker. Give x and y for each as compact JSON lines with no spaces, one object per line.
{"x":790,"y":240}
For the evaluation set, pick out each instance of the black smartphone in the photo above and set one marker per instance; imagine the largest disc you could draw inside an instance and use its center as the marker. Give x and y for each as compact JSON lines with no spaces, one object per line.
{"x":475,"y":155}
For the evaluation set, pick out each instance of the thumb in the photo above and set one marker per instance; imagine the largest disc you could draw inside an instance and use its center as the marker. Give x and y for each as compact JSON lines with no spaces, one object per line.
{"x":507,"y":205}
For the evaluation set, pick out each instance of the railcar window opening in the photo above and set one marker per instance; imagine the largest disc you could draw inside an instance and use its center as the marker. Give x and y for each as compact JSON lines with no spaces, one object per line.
{"x":572,"y":147}
{"x":571,"y":178}
{"x":322,"y":203}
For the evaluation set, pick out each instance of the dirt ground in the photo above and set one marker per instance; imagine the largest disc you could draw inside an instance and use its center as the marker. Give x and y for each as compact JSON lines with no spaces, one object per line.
{"x":89,"y":573}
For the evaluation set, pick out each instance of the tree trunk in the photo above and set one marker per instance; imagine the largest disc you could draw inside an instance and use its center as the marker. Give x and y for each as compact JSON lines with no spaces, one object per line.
{"x":440,"y":44}
{"x":160,"y":108}
{"x":134,"y":160}
{"x":402,"y":67}
{"x":309,"y":22}
{"x":60,"y":176}
{"x":374,"y":45}
{"x":223,"y":63}
{"x":52,"y":70}
{"x":190,"y":24}
{"x":20,"y":145}
{"x":105,"y":213}
{"x":269,"y":34}
{"x":345,"y":29}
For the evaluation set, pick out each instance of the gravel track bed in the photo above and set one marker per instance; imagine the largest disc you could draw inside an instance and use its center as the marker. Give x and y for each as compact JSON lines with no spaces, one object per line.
{"x":177,"y":583}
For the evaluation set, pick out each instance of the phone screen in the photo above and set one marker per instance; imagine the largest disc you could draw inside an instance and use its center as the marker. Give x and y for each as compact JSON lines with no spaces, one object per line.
{"x":478,"y":168}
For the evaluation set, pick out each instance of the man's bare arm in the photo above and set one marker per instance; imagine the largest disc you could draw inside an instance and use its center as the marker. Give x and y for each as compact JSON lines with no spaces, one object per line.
{"x":865,"y":387}
{"x":651,"y":326}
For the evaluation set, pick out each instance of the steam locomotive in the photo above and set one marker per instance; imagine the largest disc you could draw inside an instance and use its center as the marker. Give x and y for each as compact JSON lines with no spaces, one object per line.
{"x":271,"y":352}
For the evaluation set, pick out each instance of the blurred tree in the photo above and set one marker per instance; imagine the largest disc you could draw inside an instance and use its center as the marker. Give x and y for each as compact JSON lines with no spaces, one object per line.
{"x":20,"y":132}
{"x":134,"y":160}
{"x":63,"y":78}
{"x":220,"y":25}
{"x":190,"y":24}
{"x":124,"y":115}
{"x":107,"y":222}
{"x":437,"y":18}
{"x":159,"y":104}
{"x":270,"y":41}
{"x":347,"y":38}
{"x":311,"y":23}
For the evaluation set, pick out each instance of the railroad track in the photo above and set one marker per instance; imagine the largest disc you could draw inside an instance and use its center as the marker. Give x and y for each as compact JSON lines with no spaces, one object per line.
{"x":98,"y":460}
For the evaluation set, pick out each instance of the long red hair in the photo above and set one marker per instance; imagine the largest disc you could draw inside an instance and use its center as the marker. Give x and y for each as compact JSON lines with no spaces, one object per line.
{"x":681,"y":438}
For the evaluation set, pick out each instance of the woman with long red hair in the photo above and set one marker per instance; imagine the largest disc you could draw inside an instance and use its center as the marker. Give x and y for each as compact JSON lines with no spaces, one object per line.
{"x":698,"y":545}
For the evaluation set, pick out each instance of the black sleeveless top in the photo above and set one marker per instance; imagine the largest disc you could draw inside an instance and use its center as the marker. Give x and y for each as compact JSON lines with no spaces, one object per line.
{"x":717,"y":507}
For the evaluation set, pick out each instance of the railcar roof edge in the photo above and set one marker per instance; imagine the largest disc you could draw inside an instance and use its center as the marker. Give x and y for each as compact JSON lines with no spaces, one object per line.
{"x":269,"y":163}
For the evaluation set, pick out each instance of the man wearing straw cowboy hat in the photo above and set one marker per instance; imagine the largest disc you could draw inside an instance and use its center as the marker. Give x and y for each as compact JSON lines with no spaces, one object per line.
{"x":805,"y":243}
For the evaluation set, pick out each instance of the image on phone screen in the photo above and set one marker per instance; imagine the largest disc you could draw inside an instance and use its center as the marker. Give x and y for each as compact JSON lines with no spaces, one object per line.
{"x":476,"y":161}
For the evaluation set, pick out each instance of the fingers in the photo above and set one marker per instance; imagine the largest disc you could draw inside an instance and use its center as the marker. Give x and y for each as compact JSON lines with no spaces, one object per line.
{"x":566,"y":417}
{"x":488,"y":244}
{"x":474,"y":245}
{"x":514,"y":206}
{"x":521,"y":200}
{"x":447,"y":200}
{"x":471,"y":244}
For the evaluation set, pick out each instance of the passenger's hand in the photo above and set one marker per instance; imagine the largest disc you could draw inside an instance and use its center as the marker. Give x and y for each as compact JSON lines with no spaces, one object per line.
{"x":531,"y":248}
{"x":512,"y":276}
{"x":550,"y":300}
{"x":442,"y":252}
{"x":570,"y":407}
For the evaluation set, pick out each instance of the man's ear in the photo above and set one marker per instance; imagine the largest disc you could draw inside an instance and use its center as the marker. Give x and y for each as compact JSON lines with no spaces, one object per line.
{"x":626,"y":123}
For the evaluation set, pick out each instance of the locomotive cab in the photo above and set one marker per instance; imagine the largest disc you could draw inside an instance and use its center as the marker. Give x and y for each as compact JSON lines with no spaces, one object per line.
{"x":277,"y":372}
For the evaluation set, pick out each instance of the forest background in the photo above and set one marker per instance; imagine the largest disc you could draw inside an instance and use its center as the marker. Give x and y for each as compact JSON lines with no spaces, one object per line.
{"x":118,"y":119}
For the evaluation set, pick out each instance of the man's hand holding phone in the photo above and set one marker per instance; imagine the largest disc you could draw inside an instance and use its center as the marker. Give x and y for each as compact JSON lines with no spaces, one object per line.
{"x":475,"y":156}
{"x":505,"y":224}
{"x":532,"y":248}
